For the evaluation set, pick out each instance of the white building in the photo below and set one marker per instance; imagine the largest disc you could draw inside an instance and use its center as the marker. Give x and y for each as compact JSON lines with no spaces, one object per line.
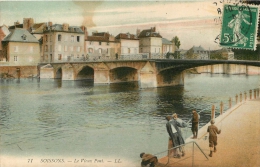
{"x":129,"y":44}
{"x":102,"y":45}
{"x":63,"y":43}
{"x":150,"y":42}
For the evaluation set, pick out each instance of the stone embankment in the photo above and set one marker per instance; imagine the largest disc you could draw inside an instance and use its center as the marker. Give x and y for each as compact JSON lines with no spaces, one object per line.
{"x":238,"y":143}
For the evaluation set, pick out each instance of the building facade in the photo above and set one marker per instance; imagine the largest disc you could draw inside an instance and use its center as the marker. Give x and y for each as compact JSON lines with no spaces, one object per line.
{"x":62,"y":43}
{"x":102,"y":45}
{"x":129,"y":44}
{"x":21,"y":48}
{"x":3,"y":33}
{"x":150,"y":42}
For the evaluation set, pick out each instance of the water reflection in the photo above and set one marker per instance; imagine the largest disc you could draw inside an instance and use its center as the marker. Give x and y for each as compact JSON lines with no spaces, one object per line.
{"x":121,"y":120}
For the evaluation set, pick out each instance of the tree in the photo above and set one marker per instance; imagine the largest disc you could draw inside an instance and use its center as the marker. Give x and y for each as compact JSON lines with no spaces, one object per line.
{"x":176,"y":41}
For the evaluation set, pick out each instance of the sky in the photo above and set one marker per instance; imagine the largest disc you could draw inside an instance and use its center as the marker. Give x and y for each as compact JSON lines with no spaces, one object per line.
{"x":195,"y":22}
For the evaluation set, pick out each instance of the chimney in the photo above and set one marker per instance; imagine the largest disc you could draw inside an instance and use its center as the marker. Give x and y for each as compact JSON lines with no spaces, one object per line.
{"x":153,"y":29}
{"x":16,"y":23}
{"x":65,"y":27}
{"x":138,"y":31}
{"x":27,"y":23}
{"x":84,"y":29}
{"x":50,"y":23}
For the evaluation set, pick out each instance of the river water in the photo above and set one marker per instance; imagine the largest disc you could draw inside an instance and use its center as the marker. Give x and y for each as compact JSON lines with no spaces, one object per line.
{"x":116,"y":121}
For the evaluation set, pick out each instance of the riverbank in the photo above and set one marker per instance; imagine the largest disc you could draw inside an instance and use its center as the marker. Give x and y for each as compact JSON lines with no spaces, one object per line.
{"x":238,"y":143}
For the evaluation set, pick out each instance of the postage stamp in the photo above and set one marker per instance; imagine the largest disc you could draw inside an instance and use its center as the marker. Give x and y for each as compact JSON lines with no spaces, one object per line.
{"x":239,"y":26}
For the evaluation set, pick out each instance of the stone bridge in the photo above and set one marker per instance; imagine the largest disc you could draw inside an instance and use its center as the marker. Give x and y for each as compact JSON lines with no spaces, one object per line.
{"x":149,"y":73}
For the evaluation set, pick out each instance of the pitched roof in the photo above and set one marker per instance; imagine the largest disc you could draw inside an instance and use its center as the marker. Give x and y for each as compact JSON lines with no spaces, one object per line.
{"x":149,"y":33}
{"x":59,"y":28}
{"x":16,"y":26}
{"x":198,"y":48}
{"x":38,"y":28}
{"x":99,"y":36}
{"x":20,"y":35}
{"x":126,"y":36}
{"x":166,"y":41}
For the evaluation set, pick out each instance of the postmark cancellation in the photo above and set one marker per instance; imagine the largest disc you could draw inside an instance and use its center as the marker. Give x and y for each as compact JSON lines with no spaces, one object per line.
{"x":239,"y":26}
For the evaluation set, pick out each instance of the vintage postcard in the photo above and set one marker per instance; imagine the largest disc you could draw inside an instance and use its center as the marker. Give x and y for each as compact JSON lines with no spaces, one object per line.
{"x":129,"y":83}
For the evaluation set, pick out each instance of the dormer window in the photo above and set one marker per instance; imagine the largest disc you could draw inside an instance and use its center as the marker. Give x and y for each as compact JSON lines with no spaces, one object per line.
{"x":24,"y":37}
{"x":128,"y":35}
{"x":148,"y":33}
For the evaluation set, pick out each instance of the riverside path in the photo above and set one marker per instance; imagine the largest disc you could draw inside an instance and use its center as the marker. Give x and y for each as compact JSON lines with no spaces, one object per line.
{"x":238,"y":143}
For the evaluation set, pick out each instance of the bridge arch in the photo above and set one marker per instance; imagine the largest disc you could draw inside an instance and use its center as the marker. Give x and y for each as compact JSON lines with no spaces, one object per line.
{"x":85,"y":72}
{"x":58,"y":73}
{"x":123,"y":74}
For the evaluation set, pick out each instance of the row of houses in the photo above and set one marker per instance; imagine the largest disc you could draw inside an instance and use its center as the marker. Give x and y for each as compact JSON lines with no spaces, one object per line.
{"x":30,"y":43}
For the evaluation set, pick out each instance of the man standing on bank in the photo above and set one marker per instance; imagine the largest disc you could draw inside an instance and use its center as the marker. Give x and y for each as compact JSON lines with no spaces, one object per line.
{"x":195,"y":124}
{"x":172,"y":138}
{"x":179,"y":123}
{"x":213,"y":131}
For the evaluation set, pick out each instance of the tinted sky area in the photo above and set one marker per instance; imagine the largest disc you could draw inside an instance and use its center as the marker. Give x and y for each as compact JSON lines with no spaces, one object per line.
{"x":194,"y":22}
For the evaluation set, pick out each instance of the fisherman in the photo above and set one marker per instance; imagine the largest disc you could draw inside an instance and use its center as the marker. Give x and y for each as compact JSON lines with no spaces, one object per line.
{"x":148,"y":159}
{"x":195,"y":124}
{"x":213,"y":131}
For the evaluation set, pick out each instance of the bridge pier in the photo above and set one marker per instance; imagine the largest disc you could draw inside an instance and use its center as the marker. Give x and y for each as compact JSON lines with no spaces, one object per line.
{"x":101,"y":77}
{"x":147,"y":76}
{"x":68,"y":72}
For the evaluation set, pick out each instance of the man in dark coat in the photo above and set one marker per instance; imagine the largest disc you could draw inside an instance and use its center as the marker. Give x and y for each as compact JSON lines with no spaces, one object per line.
{"x":148,"y":159}
{"x":213,"y":131}
{"x":177,"y":124}
{"x":195,"y":124}
{"x":173,"y":138}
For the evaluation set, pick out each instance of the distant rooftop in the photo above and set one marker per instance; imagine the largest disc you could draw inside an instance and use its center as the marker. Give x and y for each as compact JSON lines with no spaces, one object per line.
{"x":20,"y":35}
{"x":126,"y":36}
{"x":166,"y":41}
{"x":149,"y":33}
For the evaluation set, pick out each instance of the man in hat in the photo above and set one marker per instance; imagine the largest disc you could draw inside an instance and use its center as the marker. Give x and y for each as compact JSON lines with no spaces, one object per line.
{"x":148,"y":159}
{"x":213,"y":131}
{"x":195,"y":124}
{"x":172,"y":139}
{"x":177,"y":124}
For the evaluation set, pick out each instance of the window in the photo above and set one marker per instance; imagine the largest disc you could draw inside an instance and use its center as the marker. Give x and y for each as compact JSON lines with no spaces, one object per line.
{"x":99,"y":50}
{"x":77,"y":55}
{"x":50,"y":38}
{"x":50,"y":48}
{"x":65,"y":48}
{"x":72,"y":38}
{"x":24,"y":37}
{"x":107,"y":50}
{"x":46,"y":38}
{"x":78,"y":38}
{"x":159,"y":50}
{"x":59,"y":56}
{"x":100,"y":43}
{"x":90,"y":42}
{"x":71,"y":48}
{"x":15,"y":58}
{"x":46,"y":48}
{"x":154,"y":50}
{"x":90,"y":50}
{"x":107,"y":43}
{"x":59,"y":37}
{"x":129,"y":50}
{"x":78,"y":49}
{"x":15,"y":48}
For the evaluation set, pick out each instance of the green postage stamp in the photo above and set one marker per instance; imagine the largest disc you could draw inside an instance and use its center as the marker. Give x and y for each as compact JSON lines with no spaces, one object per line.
{"x":239,"y":26}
